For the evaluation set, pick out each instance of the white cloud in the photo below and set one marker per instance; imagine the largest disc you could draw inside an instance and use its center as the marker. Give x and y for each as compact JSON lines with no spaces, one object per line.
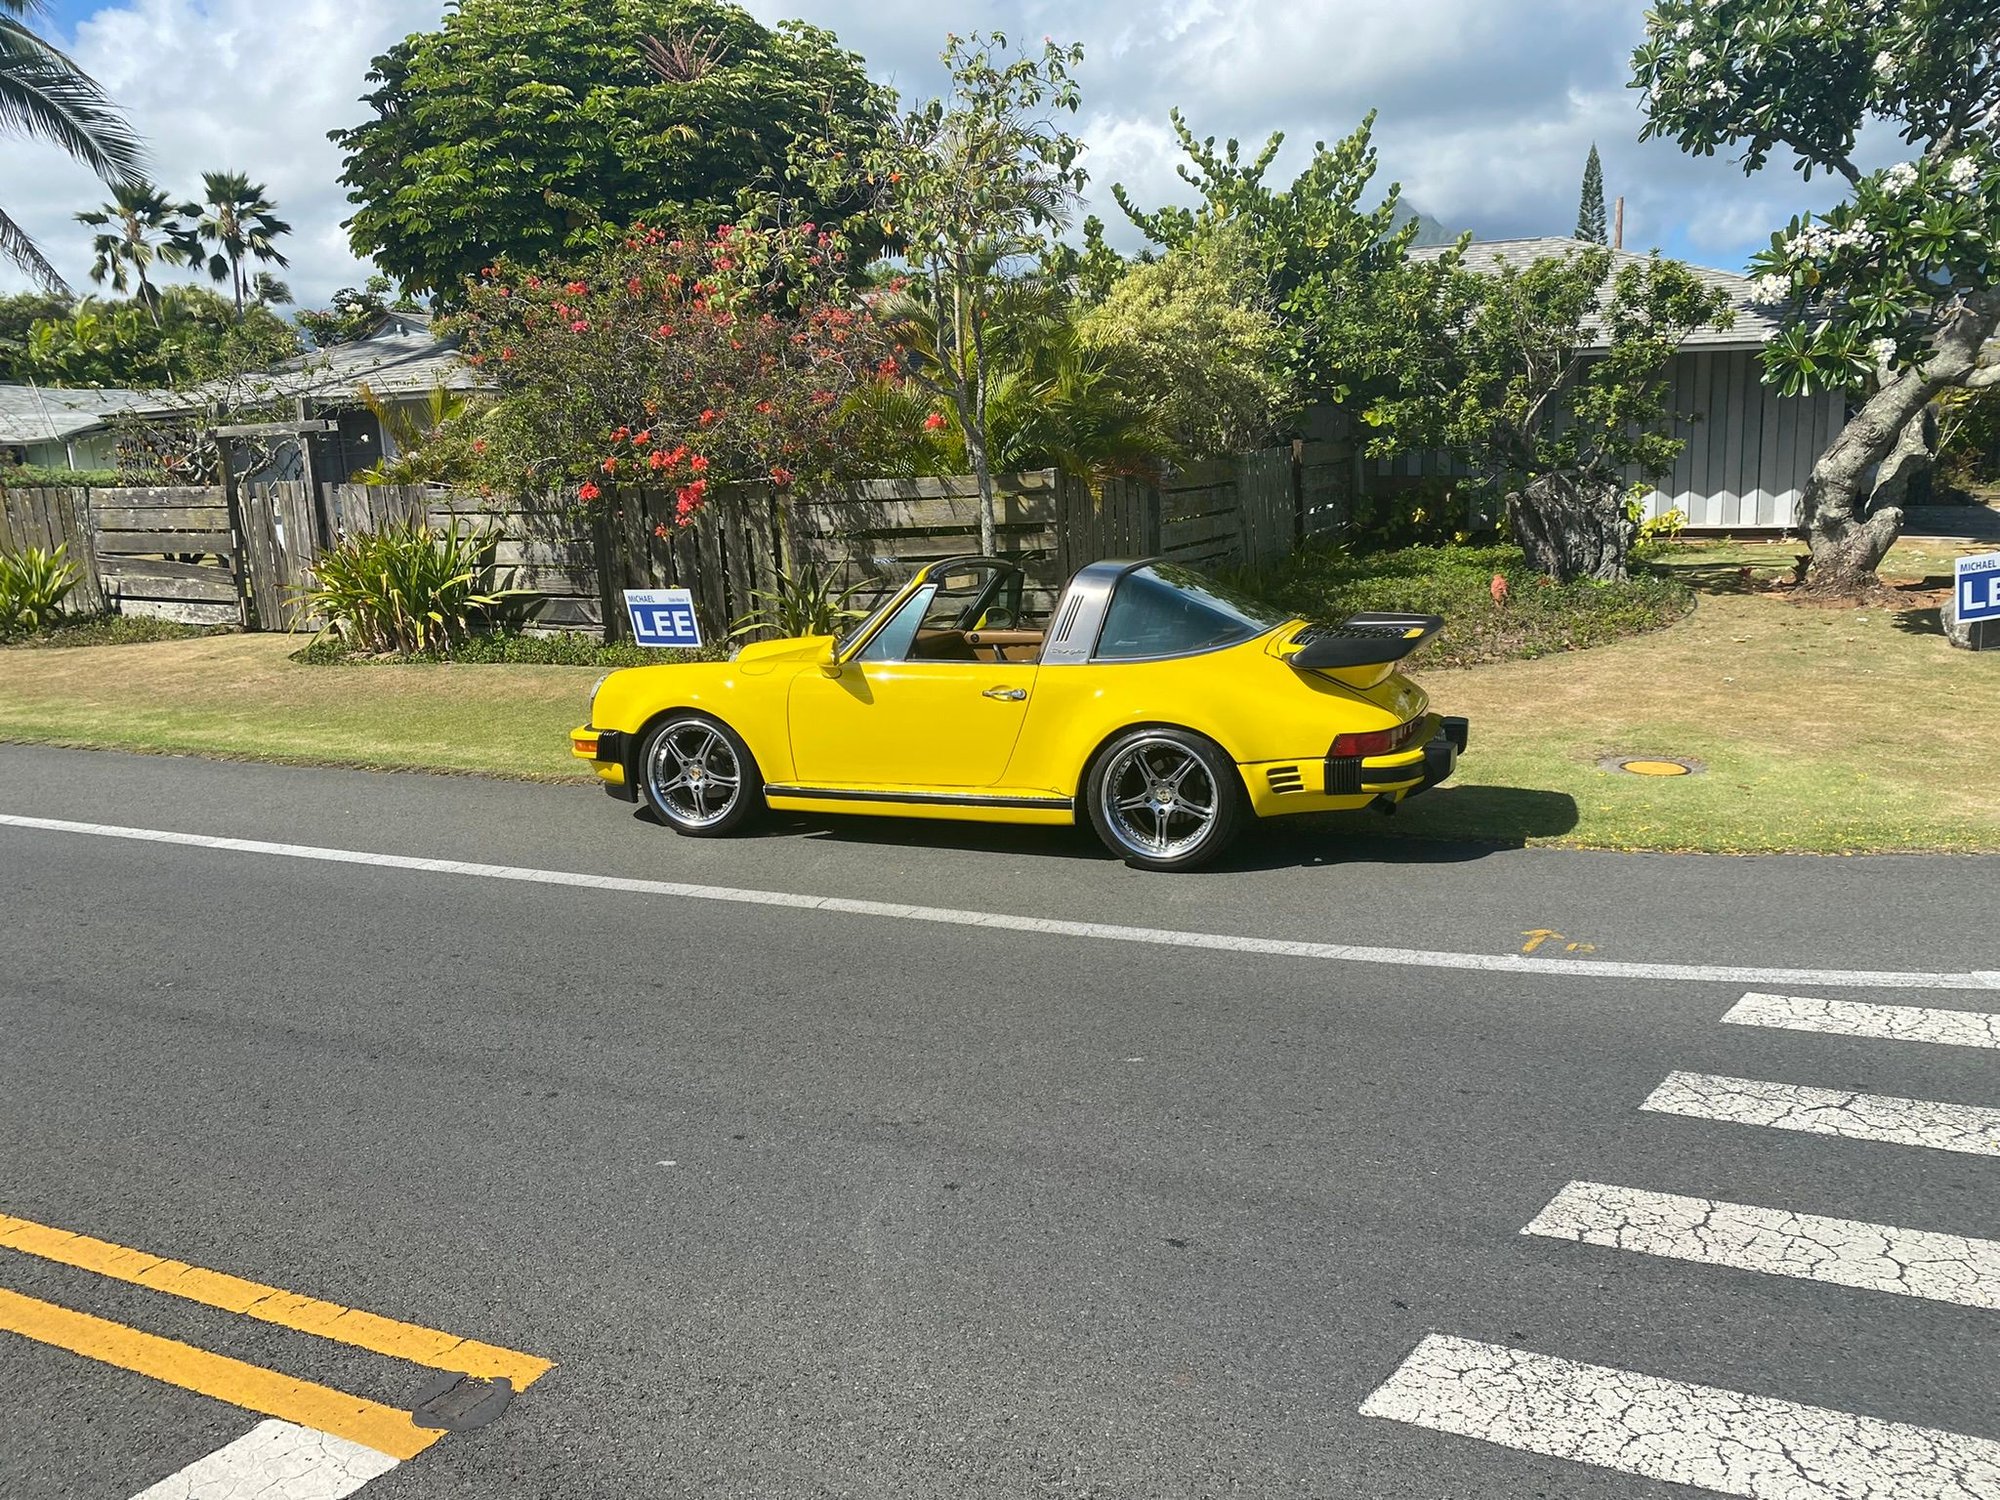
{"x":1487,"y":106}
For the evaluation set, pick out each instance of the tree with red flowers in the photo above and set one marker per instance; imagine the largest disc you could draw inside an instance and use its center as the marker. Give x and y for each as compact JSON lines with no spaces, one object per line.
{"x":682,"y":361}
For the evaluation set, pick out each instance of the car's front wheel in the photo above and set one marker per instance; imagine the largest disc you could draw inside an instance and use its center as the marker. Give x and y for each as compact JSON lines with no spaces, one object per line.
{"x":1164,"y":799}
{"x":699,"y":777}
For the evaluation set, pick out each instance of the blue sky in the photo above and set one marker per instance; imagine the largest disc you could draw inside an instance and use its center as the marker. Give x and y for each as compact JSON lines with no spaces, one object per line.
{"x":1487,"y":107}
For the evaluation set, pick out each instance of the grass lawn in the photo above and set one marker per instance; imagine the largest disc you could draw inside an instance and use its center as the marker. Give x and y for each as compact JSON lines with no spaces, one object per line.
{"x":1818,"y":729}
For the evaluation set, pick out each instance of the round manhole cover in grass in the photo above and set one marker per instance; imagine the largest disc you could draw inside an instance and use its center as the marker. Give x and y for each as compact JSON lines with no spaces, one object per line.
{"x":1651,"y":765}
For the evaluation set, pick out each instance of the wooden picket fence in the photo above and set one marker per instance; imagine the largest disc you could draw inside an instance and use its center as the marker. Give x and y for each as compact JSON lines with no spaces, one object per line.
{"x":247,"y":554}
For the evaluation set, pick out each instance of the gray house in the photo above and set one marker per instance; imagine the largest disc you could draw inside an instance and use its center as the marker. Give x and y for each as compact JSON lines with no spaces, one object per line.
{"x":400,"y":362}
{"x":59,"y":428}
{"x":1749,"y":454}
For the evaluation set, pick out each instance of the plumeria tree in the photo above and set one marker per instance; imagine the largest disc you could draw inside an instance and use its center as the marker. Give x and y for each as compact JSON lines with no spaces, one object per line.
{"x":668,"y":360}
{"x":1895,"y":292}
{"x":968,"y":188}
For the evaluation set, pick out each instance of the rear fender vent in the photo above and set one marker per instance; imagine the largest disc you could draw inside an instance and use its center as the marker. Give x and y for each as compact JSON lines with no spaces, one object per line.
{"x":1286,"y":779}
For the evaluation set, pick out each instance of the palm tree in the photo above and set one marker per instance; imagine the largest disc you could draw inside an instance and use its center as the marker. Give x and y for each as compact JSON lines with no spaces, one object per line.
{"x":43,"y":93}
{"x":137,"y":212}
{"x":240,"y":223}
{"x":270,"y":291}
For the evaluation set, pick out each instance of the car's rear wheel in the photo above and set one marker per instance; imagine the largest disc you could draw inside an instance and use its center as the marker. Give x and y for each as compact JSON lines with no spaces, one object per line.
{"x":1164,"y":799}
{"x":699,"y":777}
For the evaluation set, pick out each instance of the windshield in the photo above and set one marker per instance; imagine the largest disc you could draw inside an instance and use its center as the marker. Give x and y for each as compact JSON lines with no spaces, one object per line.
{"x":1165,"y":610}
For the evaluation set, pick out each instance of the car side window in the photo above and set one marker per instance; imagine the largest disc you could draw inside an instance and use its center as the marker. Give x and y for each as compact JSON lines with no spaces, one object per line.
{"x":1161,"y":610}
{"x":893,"y":641}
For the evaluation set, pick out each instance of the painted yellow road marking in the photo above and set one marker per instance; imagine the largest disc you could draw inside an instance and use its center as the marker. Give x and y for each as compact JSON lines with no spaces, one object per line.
{"x":253,"y":1387}
{"x":269,"y":1304}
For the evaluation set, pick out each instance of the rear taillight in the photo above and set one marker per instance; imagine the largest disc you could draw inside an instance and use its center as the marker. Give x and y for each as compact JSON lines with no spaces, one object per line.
{"x":1378,"y":741}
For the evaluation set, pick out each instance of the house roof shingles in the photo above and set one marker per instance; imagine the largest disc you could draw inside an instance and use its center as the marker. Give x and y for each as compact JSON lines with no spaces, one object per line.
{"x":1756,"y":322}
{"x":50,"y":414}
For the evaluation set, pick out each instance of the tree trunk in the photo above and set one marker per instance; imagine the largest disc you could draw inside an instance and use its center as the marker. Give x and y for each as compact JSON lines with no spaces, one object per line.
{"x":975,"y":447}
{"x":1910,"y":459}
{"x":1573,"y":527}
{"x":1848,"y":539}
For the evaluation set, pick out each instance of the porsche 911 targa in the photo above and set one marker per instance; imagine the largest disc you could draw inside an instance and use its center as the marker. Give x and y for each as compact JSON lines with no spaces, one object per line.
{"x":1166,"y":708}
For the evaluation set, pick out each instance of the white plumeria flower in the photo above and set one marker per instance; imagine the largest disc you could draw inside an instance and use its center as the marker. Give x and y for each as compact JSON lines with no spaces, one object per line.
{"x":1697,"y":58}
{"x":1962,"y":173}
{"x":1770,"y":288}
{"x":1884,"y":351}
{"x":1683,"y":31}
{"x":1899,"y":178}
{"x":1885,"y":65}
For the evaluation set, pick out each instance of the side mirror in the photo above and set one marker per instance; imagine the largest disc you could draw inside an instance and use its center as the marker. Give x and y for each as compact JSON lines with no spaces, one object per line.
{"x":829,"y":664}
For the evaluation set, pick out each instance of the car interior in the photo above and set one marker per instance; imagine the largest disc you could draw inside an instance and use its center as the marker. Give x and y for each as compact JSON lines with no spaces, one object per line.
{"x":974,"y":616}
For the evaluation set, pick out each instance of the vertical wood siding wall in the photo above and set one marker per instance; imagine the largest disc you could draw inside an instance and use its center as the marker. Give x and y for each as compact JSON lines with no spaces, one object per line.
{"x":1746,"y":462}
{"x":1746,"y":459}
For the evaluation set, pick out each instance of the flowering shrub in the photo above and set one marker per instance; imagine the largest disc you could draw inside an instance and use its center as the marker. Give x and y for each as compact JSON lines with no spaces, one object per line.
{"x":669,"y":361}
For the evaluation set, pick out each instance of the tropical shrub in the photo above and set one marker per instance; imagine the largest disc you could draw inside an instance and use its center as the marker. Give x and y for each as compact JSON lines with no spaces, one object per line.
{"x":33,"y":585}
{"x":673,"y":361}
{"x":1200,"y":350}
{"x":408,"y":588}
{"x":805,"y":602}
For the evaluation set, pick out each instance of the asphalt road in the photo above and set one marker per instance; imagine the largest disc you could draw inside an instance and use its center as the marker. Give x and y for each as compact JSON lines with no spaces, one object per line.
{"x":816,"y":1203}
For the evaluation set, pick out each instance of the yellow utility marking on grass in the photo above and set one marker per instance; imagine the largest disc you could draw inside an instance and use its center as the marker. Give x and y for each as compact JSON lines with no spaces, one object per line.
{"x":253,"y":1387}
{"x":268,"y":1304}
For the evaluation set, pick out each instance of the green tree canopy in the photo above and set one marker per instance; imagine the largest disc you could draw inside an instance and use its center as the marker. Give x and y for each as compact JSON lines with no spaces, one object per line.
{"x":519,"y":126}
{"x":182,"y":336}
{"x":969,"y":187}
{"x":1332,"y":266}
{"x":1894,"y":293}
{"x":1553,"y":382}
{"x":1199,"y":348}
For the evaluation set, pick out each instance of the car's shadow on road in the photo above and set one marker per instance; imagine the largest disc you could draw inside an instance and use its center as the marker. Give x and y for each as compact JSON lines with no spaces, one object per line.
{"x":1500,"y":817}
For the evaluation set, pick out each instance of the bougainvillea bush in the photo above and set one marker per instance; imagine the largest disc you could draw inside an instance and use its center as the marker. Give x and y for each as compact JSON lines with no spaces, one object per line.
{"x":682,"y":361}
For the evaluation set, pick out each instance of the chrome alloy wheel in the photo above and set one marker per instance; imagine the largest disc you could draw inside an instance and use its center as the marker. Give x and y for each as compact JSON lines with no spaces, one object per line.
{"x":693,"y":774}
{"x":1158,"y":798}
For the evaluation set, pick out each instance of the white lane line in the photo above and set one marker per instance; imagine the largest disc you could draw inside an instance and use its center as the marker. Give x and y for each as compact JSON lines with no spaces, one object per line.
{"x":1725,"y":1441}
{"x":1860,"y":1117}
{"x":1895,"y":1023}
{"x":1844,"y":1252}
{"x":275,"y":1461}
{"x":1501,"y":963}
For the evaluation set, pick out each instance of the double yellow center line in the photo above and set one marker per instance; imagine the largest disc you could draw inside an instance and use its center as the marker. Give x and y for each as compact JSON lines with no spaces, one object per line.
{"x":383,"y":1428}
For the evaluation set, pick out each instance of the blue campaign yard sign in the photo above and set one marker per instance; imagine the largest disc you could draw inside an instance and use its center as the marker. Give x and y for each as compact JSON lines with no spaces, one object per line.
{"x":1979,"y":588}
{"x":662,"y":617}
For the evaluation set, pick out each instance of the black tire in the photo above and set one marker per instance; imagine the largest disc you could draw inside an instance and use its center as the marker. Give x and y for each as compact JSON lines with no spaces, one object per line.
{"x":1145,"y":796}
{"x":682,"y":766}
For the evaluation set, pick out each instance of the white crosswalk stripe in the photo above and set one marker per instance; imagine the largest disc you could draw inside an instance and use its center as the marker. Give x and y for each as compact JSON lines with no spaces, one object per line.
{"x":1899,"y":1023}
{"x":1726,"y":1441}
{"x":275,"y":1461}
{"x":1845,"y":1252}
{"x":1720,"y":1440}
{"x":1854,"y":1116}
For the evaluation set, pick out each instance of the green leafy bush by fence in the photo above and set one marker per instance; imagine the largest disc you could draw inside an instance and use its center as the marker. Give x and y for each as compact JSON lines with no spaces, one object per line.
{"x":409,"y":588}
{"x":33,"y":585}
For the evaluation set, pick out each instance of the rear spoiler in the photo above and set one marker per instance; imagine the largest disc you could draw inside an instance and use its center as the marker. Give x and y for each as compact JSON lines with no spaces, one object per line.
{"x":1365,"y":640}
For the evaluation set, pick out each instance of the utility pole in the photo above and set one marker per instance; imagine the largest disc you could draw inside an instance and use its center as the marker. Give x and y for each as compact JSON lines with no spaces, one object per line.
{"x":1618,"y":225}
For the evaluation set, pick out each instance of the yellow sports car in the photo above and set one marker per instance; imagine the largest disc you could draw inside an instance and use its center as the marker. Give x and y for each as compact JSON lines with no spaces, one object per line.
{"x":1164,"y":707}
